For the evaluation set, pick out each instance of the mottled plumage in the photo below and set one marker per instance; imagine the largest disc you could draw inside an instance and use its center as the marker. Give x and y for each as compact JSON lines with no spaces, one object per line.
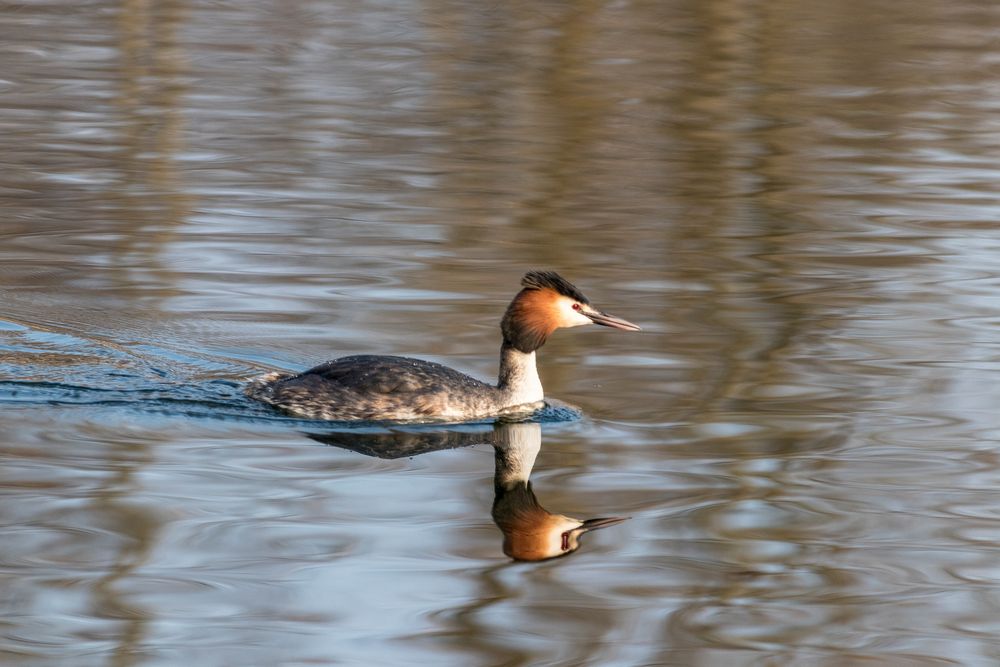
{"x":369,"y":387}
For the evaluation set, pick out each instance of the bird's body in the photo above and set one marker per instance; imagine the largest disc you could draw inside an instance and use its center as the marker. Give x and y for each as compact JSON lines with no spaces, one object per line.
{"x":377,"y":387}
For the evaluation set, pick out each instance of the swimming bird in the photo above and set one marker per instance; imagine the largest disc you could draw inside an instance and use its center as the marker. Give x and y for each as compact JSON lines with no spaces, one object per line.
{"x":390,"y":388}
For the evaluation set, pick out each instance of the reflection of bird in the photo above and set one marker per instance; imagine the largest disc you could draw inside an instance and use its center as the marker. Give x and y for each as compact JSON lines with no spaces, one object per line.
{"x":530,"y":532}
{"x":405,"y":441}
{"x":369,"y":387}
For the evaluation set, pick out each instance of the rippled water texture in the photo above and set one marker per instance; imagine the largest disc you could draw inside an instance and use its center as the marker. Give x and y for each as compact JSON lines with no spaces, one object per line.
{"x":798,"y":201}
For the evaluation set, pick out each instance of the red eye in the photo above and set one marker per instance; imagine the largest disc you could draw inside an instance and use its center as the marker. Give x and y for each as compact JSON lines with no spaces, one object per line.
{"x":576,"y":306}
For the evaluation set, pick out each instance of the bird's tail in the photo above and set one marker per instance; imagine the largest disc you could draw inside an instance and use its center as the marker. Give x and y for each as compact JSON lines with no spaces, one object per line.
{"x":261,"y":388}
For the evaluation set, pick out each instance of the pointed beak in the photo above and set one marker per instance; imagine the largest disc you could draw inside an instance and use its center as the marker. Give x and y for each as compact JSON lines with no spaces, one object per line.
{"x":594,"y":524}
{"x":605,"y":320}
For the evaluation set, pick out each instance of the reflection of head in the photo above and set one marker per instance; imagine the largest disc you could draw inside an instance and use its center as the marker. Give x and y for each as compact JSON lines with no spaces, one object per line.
{"x":530,"y":532}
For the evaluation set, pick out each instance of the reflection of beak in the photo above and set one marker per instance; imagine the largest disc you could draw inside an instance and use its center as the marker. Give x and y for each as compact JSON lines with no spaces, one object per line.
{"x":605,"y":320}
{"x":594,"y":524}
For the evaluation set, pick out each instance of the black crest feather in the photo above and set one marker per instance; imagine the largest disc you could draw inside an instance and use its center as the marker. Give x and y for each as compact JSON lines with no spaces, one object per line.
{"x":553,"y":281}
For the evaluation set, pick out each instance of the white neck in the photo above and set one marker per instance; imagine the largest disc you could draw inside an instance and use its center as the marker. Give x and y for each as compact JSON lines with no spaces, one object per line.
{"x":516,"y":447}
{"x":519,"y":382}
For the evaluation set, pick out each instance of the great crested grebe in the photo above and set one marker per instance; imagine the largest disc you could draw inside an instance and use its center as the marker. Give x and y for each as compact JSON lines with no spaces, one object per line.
{"x":375,"y":387}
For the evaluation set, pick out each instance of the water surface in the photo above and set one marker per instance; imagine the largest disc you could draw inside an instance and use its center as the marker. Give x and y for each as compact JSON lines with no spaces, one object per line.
{"x":797,"y":201}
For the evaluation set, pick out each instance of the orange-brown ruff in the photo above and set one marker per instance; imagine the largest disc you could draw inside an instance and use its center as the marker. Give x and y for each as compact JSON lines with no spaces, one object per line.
{"x":371,"y":387}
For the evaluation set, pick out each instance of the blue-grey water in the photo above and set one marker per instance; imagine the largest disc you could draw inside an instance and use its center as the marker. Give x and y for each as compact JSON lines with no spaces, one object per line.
{"x":799,"y":203}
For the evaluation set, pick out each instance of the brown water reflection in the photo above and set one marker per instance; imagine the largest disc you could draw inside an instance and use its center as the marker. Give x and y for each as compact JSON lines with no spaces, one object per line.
{"x":799,"y":198}
{"x":530,"y":532}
